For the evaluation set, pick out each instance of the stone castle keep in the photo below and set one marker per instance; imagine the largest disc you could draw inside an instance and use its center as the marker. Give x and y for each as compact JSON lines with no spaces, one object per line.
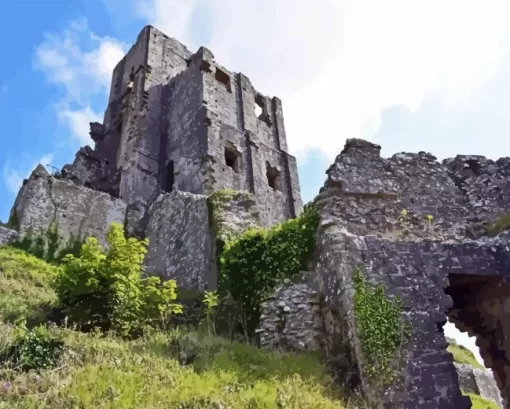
{"x":179,"y":127}
{"x":177,"y":120}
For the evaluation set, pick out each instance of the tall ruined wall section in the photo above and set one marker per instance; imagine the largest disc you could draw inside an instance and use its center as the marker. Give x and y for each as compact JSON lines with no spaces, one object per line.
{"x":436,"y":257}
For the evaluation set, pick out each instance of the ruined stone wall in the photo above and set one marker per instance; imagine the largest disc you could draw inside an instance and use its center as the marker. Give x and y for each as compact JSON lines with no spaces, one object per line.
{"x":436,"y":266}
{"x":183,"y":229}
{"x":44,"y":202}
{"x":181,"y":241}
{"x":7,"y":235}
{"x":478,"y":382}
{"x":185,"y":140}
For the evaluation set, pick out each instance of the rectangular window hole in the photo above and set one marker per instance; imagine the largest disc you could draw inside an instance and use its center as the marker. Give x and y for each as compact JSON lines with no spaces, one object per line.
{"x":232,"y":159}
{"x":224,"y":78}
{"x":273,"y":177}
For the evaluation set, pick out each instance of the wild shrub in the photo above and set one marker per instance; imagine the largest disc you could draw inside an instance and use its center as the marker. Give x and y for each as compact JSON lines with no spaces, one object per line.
{"x":33,"y":349}
{"x":253,"y":264}
{"x":105,"y":289}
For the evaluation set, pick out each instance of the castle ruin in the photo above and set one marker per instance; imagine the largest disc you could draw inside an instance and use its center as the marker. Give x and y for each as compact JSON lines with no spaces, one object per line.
{"x":177,"y":120}
{"x":179,"y":127}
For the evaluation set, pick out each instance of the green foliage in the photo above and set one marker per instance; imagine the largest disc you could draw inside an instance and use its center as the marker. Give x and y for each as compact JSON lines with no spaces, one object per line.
{"x":103,"y":371}
{"x":499,"y":225}
{"x":106,"y":289}
{"x":381,"y":327}
{"x":48,"y":247}
{"x":33,"y":349}
{"x":463,"y":355}
{"x":253,"y":264}
{"x":25,"y":285}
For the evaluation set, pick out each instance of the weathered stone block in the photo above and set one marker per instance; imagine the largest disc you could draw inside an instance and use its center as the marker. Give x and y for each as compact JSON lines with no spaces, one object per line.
{"x":45,"y":202}
{"x":181,"y":241}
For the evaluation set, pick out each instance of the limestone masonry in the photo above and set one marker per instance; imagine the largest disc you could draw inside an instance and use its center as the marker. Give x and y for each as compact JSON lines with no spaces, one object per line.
{"x":179,"y":127}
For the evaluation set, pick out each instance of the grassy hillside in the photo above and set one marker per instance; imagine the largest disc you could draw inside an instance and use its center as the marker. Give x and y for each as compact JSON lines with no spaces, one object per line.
{"x":162,"y":370}
{"x":98,"y":371}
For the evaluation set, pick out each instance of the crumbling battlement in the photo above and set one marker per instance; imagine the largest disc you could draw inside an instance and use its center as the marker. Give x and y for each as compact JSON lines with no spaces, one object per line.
{"x":177,"y":120}
{"x":450,"y":200}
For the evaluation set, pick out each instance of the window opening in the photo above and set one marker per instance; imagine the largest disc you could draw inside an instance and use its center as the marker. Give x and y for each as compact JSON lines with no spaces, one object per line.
{"x":224,"y":78}
{"x":273,"y":177}
{"x":232,"y":159}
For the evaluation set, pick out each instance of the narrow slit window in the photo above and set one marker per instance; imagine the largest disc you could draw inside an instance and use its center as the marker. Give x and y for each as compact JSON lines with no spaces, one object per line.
{"x":224,"y":78}
{"x":170,"y":176}
{"x":119,"y":128}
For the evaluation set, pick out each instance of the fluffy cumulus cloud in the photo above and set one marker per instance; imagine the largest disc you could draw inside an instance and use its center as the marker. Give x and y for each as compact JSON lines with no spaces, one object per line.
{"x":13,"y":175}
{"x":82,"y":64}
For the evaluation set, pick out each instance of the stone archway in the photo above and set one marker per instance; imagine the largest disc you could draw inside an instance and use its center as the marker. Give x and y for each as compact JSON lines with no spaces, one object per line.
{"x":481,"y":307}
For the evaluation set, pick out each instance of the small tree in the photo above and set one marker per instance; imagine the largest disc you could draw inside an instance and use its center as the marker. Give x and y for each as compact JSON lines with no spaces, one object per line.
{"x":105,"y":289}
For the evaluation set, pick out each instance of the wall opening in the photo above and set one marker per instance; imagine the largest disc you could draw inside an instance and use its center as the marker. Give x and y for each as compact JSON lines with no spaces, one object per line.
{"x":232,"y":158}
{"x":261,"y":111}
{"x":222,"y":77}
{"x":479,"y":321}
{"x":273,"y":177}
{"x":170,"y":177}
{"x":259,"y":106}
{"x":118,"y":128}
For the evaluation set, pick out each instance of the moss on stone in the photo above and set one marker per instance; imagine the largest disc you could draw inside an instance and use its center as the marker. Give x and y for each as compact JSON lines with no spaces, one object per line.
{"x":480,"y":403}
{"x":217,"y":201}
{"x":501,"y":224}
{"x":462,"y":355}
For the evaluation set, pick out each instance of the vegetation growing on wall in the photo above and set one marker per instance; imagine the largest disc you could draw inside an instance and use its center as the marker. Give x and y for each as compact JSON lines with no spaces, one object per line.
{"x":381,"y":327}
{"x":48,"y":247}
{"x":105,"y":289}
{"x":499,"y":225}
{"x":253,"y":264}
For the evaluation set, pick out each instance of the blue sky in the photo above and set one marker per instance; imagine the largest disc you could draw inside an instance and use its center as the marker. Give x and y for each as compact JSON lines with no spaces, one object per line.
{"x":409,"y":75}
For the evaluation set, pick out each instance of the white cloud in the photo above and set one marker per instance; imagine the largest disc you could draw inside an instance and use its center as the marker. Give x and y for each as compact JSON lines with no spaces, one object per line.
{"x":82,"y":63}
{"x":78,"y":122}
{"x":13,"y":175}
{"x":337,"y":63}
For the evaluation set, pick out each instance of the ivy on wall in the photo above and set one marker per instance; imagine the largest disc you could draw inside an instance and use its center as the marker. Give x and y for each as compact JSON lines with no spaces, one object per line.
{"x":254,"y":263}
{"x":382,"y":328}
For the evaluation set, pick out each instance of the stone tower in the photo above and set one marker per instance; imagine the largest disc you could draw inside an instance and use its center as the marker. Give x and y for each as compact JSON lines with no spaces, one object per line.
{"x":179,"y":121}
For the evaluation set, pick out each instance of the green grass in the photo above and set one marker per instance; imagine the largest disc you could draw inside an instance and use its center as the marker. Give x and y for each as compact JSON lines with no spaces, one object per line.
{"x":25,"y":285}
{"x":105,"y":372}
{"x":462,"y":355}
{"x":102,"y":371}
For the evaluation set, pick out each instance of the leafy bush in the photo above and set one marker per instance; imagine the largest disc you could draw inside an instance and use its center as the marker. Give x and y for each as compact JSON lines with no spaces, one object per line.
{"x":106,"y":289}
{"x":34,"y":349}
{"x":26,"y":286}
{"x":253,"y":264}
